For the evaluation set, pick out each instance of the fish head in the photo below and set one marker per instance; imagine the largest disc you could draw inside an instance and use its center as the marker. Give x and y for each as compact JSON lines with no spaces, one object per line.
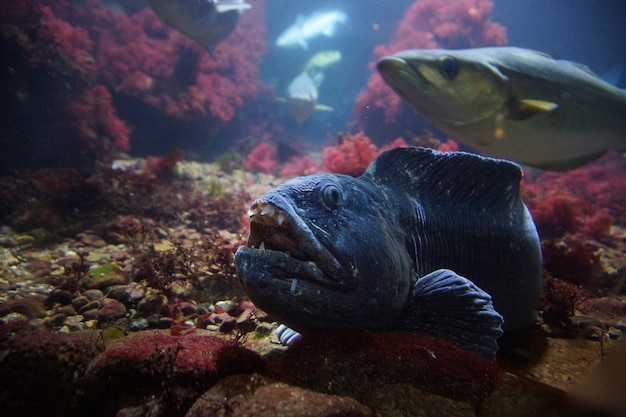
{"x":322,"y":255}
{"x":451,"y":89}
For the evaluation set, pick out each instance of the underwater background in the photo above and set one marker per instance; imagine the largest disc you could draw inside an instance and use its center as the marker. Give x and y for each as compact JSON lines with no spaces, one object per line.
{"x":130,"y":155}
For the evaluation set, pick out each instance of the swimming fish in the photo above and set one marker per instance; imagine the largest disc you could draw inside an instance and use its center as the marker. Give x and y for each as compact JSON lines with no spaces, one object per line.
{"x":320,"y":61}
{"x":424,"y":241}
{"x":513,"y":103}
{"x":207,"y":22}
{"x":302,"y":97}
{"x":322,"y":22}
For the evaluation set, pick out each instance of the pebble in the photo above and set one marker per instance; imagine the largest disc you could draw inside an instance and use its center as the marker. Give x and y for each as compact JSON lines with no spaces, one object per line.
{"x":614,"y":333}
{"x":75,"y":323}
{"x":90,"y":315}
{"x":93,"y":295}
{"x":91,"y":305}
{"x":152,"y":304}
{"x":102,"y":276}
{"x":80,"y":302}
{"x":55,"y":320}
{"x":111,"y":310}
{"x":67,"y":310}
{"x":13,"y":317}
{"x":62,"y":297}
{"x":227,"y":305}
{"x":137,"y":325}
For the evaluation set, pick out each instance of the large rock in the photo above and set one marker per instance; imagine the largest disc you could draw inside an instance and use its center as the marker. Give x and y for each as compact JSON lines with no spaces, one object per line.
{"x":255,"y":395}
{"x":356,"y":363}
{"x":173,"y":369}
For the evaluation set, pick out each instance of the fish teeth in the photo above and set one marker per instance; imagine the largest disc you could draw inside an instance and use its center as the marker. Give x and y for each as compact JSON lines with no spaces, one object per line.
{"x":262,"y":247}
{"x":268,"y":210}
{"x":280,"y":218}
{"x":253,"y":211}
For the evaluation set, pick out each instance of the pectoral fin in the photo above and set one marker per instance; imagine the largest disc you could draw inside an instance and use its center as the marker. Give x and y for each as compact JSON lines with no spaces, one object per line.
{"x":450,"y":306}
{"x":527,"y":108}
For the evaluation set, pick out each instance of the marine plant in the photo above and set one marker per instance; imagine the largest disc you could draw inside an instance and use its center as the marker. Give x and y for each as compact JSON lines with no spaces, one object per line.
{"x":66,"y":61}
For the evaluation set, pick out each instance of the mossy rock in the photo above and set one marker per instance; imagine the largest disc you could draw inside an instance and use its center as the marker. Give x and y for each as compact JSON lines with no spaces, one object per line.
{"x":103,"y":276}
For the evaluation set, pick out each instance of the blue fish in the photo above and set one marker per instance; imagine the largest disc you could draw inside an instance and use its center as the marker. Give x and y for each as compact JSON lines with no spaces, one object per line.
{"x":425,"y":241}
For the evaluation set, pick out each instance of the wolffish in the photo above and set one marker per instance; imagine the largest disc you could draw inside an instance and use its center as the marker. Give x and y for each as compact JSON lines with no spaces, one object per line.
{"x":513,"y":103}
{"x":423,"y":241}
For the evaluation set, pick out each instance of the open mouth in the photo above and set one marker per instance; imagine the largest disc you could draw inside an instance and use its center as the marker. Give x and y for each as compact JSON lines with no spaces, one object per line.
{"x":302,"y":256}
{"x":272,"y":229}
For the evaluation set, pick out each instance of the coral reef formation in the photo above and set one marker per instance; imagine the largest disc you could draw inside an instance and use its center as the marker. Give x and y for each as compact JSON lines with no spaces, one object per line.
{"x":427,"y":24}
{"x":71,"y":71}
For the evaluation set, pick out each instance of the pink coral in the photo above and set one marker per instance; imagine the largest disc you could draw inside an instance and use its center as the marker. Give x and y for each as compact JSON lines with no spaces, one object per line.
{"x":353,"y":154}
{"x":262,"y":158}
{"x":586,"y":200}
{"x":141,"y":57}
{"x":51,"y":73}
{"x":298,"y":166}
{"x":427,"y":24}
{"x":93,"y":118}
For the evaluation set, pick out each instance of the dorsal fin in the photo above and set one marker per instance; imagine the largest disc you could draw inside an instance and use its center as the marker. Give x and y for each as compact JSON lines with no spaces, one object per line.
{"x":453,"y":178}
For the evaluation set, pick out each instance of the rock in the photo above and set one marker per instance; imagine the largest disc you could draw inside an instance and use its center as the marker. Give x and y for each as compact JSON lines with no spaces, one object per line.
{"x":90,"y":314}
{"x":28,"y":307}
{"x":67,"y":311}
{"x":79,"y":302}
{"x":406,"y":400}
{"x":187,"y":308}
{"x":62,"y":297}
{"x":128,"y":294}
{"x":111,"y":310}
{"x":91,"y":305}
{"x":148,"y":364}
{"x":93,"y":295}
{"x":56,"y":320}
{"x":152,"y":304}
{"x":355,"y":363}
{"x":526,"y":398}
{"x":91,"y":239}
{"x":102,"y":276}
{"x":140,"y":324}
{"x":255,"y":395}
{"x":41,"y":371}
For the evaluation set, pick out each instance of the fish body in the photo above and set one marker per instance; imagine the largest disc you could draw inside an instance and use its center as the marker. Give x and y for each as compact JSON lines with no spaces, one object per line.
{"x":513,"y":103}
{"x":322,"y":22}
{"x":423,"y":241}
{"x":302,"y":97}
{"x":320,"y":61}
{"x":207,"y":22}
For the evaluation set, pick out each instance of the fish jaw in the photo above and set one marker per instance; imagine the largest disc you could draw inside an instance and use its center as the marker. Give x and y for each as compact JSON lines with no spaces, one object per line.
{"x":407,"y":81}
{"x":279,"y":235}
{"x":474,"y":97}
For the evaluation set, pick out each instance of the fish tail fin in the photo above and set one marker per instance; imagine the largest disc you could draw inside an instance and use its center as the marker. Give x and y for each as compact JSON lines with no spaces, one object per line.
{"x":450,"y":306}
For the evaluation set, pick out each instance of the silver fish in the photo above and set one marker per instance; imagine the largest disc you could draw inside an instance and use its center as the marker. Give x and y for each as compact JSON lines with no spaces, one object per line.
{"x":207,"y":22}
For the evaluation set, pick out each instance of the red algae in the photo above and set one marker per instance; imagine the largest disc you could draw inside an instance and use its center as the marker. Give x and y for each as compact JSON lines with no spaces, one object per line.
{"x":354,"y":363}
{"x":175,"y":369}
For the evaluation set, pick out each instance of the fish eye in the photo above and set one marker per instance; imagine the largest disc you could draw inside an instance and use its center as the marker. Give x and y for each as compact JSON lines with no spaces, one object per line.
{"x":332,"y":196}
{"x":448,"y":66}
